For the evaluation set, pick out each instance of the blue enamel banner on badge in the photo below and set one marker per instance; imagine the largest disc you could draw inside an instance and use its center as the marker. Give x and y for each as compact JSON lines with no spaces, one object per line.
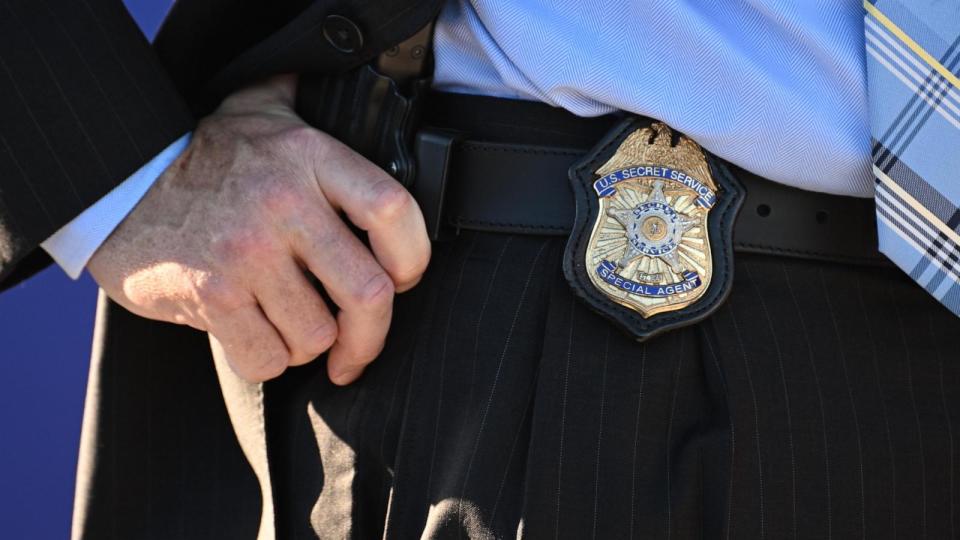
{"x":604,"y":185}
{"x":607,"y":272}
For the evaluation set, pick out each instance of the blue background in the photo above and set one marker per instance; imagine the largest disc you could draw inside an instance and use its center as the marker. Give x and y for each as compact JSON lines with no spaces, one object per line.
{"x":46,"y":329}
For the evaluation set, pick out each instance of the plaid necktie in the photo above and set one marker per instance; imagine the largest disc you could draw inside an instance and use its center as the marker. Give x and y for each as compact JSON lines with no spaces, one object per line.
{"x":913,"y":62}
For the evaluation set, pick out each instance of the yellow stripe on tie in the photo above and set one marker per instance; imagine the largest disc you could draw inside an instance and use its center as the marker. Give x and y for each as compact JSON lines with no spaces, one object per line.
{"x":882,"y":19}
{"x":915,"y":204}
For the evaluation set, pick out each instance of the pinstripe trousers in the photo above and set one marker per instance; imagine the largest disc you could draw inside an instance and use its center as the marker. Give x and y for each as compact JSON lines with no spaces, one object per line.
{"x":819,"y":402}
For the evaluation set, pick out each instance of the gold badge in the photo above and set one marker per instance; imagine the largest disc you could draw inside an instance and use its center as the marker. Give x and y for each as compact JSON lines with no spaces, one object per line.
{"x":649,"y":249}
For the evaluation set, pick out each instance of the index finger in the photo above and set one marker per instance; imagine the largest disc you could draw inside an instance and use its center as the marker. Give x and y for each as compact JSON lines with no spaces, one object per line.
{"x":378,"y":204}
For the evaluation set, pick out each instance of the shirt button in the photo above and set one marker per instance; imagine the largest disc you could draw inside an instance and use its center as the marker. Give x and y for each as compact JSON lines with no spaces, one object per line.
{"x":342,"y":34}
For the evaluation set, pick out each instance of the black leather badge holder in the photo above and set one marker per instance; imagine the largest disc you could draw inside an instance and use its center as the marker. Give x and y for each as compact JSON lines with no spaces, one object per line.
{"x":652,"y":243}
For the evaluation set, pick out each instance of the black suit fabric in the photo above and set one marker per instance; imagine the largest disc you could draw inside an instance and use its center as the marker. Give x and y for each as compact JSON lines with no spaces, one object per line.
{"x":84,"y":103}
{"x":502,"y":406}
{"x":822,"y":401}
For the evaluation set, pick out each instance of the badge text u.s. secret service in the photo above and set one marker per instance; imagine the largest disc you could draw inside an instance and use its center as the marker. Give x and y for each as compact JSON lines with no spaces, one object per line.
{"x":604,"y":187}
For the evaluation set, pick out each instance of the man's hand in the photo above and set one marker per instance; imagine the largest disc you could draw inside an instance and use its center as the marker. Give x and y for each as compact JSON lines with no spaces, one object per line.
{"x":223,"y":238}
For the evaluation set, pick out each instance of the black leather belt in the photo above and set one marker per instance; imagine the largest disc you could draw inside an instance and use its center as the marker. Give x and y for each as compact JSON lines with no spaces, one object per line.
{"x":501,"y":165}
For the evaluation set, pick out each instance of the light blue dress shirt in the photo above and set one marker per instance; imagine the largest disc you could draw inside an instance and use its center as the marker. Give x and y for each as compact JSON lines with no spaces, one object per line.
{"x":775,"y":86}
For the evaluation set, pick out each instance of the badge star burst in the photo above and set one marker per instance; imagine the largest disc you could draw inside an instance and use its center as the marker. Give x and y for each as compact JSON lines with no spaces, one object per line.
{"x":630,"y":221}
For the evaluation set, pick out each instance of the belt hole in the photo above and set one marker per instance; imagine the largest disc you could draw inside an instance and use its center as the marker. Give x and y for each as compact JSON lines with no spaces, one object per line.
{"x":763,"y":210}
{"x":822,"y":217}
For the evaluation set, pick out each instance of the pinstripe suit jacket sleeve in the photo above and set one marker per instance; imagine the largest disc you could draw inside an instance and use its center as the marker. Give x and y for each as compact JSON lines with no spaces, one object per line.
{"x":84,"y":102}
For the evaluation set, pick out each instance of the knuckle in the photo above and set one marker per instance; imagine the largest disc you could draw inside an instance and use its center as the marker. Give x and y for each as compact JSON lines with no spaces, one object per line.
{"x":376,"y":294}
{"x":390,"y":200}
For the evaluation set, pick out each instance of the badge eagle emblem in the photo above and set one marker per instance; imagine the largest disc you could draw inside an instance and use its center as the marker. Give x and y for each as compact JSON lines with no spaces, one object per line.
{"x":653,"y":230}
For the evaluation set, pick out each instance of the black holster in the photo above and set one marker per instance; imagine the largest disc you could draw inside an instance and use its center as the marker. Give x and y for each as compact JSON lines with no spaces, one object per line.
{"x":373,"y":113}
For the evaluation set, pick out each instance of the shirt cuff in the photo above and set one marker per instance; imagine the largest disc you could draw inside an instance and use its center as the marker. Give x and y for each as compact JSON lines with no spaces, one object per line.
{"x":75,"y":243}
